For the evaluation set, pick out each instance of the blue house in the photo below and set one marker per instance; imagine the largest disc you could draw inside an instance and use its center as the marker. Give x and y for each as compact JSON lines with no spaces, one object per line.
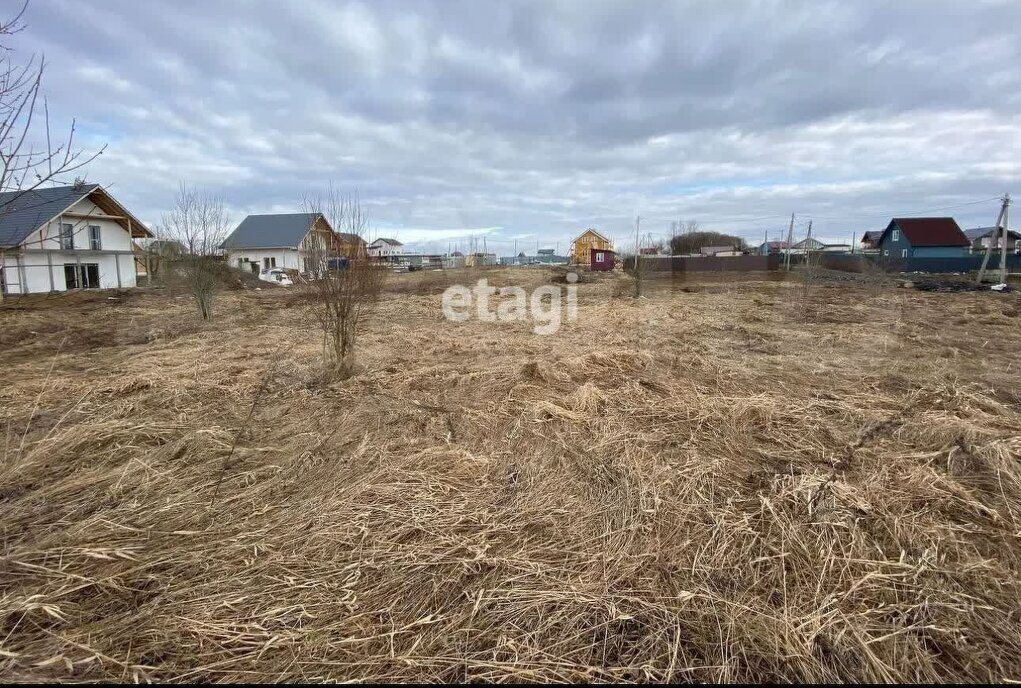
{"x":923,"y":237}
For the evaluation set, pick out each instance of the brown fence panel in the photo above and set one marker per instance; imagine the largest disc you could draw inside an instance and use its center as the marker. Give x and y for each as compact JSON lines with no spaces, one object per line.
{"x":684,"y":264}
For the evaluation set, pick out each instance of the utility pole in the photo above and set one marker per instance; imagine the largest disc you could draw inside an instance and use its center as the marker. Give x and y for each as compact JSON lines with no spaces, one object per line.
{"x":853,"y":237}
{"x":790,"y":240}
{"x":1003,"y":244}
{"x":808,"y":242}
{"x":1001,"y":221}
{"x":638,"y":249}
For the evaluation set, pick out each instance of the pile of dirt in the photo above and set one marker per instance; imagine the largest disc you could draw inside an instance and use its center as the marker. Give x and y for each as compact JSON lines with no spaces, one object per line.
{"x":946,"y":284}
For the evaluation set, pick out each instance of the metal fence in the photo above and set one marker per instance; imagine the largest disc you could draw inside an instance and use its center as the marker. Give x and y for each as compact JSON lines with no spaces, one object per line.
{"x":859,"y":262}
{"x":686,"y":264}
{"x":847,"y":262}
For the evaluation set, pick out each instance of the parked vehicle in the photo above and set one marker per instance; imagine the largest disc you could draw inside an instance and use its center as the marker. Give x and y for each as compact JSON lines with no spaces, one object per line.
{"x":276,"y":275}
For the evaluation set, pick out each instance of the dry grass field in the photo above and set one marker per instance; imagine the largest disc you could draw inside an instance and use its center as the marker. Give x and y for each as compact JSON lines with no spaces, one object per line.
{"x":750,"y":481}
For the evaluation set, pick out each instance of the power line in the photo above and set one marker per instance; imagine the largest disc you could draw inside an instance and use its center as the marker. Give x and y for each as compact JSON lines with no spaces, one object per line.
{"x":900,"y":213}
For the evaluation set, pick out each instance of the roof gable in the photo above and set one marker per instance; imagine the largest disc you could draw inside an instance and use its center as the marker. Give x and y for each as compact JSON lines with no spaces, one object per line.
{"x":593,"y":233}
{"x":808,"y":242}
{"x":285,"y":230}
{"x":928,"y":231}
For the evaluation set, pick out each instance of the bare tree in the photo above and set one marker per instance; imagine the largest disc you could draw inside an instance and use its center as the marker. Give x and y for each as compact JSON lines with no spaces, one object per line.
{"x":200,"y":223}
{"x":346,"y":283}
{"x":29,"y":158}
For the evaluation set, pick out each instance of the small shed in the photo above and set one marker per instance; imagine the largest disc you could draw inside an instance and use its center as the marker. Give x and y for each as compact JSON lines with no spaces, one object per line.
{"x":602,"y":260}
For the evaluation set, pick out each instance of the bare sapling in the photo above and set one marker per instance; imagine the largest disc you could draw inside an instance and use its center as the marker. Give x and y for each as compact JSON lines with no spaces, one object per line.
{"x":200,"y":223}
{"x":344,"y":283}
{"x":643,"y":264}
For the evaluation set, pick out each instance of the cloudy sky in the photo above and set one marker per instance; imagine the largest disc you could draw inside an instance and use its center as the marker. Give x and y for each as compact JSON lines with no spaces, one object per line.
{"x":529,"y":121}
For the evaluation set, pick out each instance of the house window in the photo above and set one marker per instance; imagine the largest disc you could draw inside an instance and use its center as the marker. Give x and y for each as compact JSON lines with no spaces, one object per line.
{"x":599,"y":257}
{"x":904,"y":253}
{"x":896,"y":235}
{"x":95,"y":238}
{"x":269,"y":262}
{"x":83,"y":276}
{"x":66,"y":236}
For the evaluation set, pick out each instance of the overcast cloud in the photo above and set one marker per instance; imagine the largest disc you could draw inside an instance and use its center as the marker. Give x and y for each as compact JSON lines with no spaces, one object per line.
{"x":533,"y":120}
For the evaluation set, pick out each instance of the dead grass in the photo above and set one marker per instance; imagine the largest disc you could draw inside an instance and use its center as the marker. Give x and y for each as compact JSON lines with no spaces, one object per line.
{"x":750,"y":482}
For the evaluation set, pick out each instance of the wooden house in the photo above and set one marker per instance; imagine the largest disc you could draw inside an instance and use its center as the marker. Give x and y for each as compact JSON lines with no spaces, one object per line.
{"x":590,"y":240}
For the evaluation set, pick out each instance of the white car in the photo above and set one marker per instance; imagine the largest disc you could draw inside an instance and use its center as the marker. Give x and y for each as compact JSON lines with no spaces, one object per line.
{"x":277,"y":276}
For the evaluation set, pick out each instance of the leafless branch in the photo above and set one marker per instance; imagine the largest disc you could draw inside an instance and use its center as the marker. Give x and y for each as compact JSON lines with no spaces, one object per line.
{"x":23,"y":166}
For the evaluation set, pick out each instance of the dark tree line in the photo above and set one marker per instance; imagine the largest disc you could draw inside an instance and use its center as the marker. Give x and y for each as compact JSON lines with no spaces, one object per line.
{"x":691,"y":242}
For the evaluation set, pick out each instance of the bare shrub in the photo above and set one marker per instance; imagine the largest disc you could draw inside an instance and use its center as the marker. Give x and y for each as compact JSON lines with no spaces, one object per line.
{"x":343,"y":289}
{"x":640,"y":266}
{"x":875,"y":277}
{"x":200,"y":223}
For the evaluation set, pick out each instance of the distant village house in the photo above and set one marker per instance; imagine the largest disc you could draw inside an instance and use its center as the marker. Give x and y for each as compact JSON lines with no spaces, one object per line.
{"x":384,"y":249}
{"x":720,"y":251}
{"x":772,"y":247}
{"x":289,"y":241}
{"x":585,"y":244}
{"x":870,"y":240}
{"x":923,"y":237}
{"x":982,"y":237}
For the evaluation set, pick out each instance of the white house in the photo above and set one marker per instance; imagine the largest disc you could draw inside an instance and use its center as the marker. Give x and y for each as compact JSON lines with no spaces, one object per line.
{"x":66,"y":237}
{"x":386,"y":249}
{"x":806,"y":245}
{"x":290,"y":241}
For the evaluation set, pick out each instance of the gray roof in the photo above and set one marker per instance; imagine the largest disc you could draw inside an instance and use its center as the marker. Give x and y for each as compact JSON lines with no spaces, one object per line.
{"x":391,"y":242}
{"x":271,"y":231}
{"x":23,"y":212}
{"x":981,"y":232}
{"x":808,"y":241}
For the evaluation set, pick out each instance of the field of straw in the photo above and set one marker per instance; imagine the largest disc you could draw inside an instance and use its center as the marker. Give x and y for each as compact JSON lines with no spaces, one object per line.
{"x":728,"y":481}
